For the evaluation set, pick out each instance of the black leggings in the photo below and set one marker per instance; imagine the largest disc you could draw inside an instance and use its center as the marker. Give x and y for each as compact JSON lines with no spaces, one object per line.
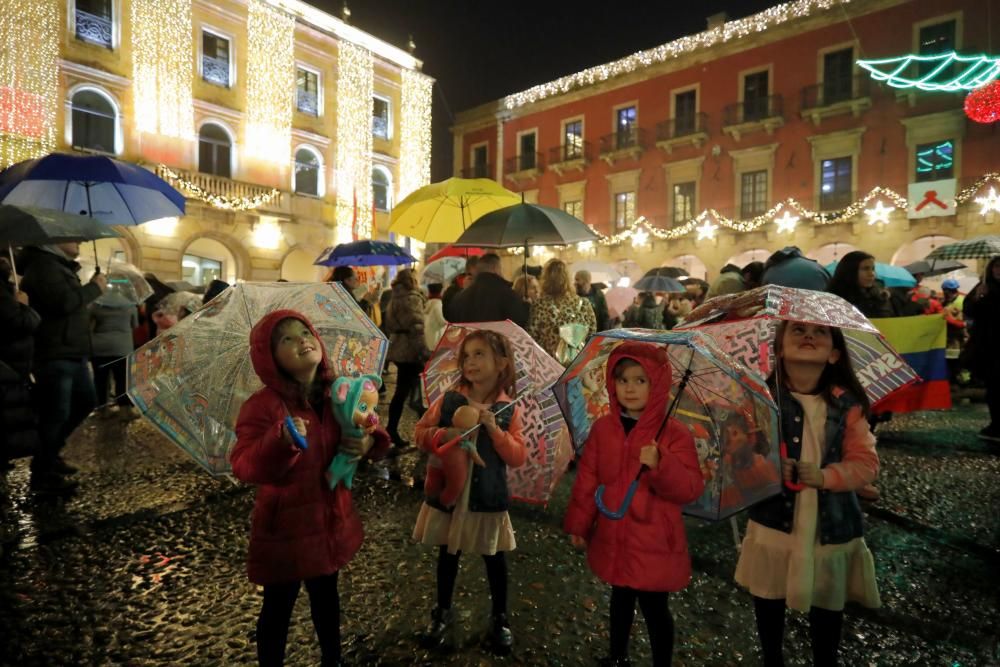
{"x":104,"y":369}
{"x":276,"y":614}
{"x":407,"y":377}
{"x":496,"y":574}
{"x":655,"y":608}
{"x":824,"y":631}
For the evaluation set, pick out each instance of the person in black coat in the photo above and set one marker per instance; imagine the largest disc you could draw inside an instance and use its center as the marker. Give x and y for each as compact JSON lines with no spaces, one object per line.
{"x":982,"y":311}
{"x":18,"y":422}
{"x":62,"y":353}
{"x":488,"y":298}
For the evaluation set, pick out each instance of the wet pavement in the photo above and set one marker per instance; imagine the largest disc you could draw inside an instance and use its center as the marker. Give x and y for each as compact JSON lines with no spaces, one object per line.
{"x":144,"y":565}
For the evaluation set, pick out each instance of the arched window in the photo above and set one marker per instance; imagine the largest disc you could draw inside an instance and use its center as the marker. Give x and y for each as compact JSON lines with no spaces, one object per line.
{"x":381,"y":188}
{"x":308,"y":169}
{"x":215,"y":151}
{"x":95,"y":121}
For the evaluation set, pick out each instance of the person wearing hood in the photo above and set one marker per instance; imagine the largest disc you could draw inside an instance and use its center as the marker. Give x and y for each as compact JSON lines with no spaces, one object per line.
{"x":730,"y":281}
{"x":18,"y":421}
{"x":302,"y":531}
{"x":404,"y":322}
{"x":982,"y":310}
{"x":788,"y":267}
{"x":112,"y":320}
{"x":643,"y":555}
{"x":62,"y":353}
{"x":488,"y":298}
{"x":645,"y":313}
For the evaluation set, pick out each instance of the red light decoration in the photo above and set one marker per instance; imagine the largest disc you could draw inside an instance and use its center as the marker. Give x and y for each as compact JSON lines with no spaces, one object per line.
{"x":983,"y":104}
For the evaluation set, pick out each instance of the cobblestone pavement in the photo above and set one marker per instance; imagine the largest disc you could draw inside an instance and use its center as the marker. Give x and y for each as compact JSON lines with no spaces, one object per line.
{"x":144,"y":566}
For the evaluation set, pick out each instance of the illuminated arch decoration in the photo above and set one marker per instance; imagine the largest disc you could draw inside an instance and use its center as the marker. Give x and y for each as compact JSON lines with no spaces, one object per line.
{"x":949,"y":72}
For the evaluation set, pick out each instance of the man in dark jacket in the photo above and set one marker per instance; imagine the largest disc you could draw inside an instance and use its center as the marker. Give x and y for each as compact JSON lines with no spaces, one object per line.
{"x":595,"y":296}
{"x":18,"y":422}
{"x":460,"y":282}
{"x":488,"y":298}
{"x":62,"y":352}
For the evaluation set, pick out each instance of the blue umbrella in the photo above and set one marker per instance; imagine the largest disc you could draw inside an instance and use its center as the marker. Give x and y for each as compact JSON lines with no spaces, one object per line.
{"x":365,"y":253}
{"x":650,"y":283}
{"x":891,"y":276}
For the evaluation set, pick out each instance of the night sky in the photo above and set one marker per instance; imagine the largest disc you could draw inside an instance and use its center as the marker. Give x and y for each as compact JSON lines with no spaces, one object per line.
{"x":477,"y":54}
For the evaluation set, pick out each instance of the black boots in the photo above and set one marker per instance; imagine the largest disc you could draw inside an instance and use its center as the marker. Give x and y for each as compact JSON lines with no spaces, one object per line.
{"x":500,"y":639}
{"x":437,"y":634}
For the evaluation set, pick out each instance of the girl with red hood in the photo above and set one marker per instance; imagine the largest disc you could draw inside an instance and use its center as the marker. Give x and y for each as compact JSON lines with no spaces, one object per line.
{"x":643,"y":555}
{"x":301,"y":530}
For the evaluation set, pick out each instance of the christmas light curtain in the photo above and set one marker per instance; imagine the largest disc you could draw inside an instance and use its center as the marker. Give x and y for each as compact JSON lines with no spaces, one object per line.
{"x":355,"y":90}
{"x":163,"y":66}
{"x":270,"y":83}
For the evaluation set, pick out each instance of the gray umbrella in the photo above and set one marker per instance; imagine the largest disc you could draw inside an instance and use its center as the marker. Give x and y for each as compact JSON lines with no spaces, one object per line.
{"x":934,"y":267}
{"x":524,"y":225}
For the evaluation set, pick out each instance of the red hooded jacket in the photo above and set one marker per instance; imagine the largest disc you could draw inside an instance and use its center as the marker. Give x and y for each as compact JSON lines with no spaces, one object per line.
{"x":647,"y":548}
{"x":300,"y":527}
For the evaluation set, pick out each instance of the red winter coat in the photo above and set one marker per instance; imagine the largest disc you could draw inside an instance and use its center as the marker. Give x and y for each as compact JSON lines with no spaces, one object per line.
{"x":300,"y":527}
{"x":647,"y":548}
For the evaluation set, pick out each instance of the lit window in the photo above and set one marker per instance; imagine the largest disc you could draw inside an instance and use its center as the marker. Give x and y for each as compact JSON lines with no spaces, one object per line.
{"x":835,"y":183}
{"x":93,"y":22}
{"x":307,"y":172}
{"x":215,"y":151}
{"x":626,"y":127}
{"x":94,"y":122}
{"x":200,"y":270}
{"x":215,"y":59}
{"x":573,"y":140}
{"x":380,"y":117}
{"x":574,"y":208}
{"x":935,"y":161}
{"x":307,"y":91}
{"x":753,"y":193}
{"x":624,"y":209}
{"x":380,"y":189}
{"x":683,"y":202}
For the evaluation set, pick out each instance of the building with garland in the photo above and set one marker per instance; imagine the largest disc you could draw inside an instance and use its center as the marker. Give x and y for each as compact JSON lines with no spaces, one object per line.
{"x":287,"y":129}
{"x":764,"y":132}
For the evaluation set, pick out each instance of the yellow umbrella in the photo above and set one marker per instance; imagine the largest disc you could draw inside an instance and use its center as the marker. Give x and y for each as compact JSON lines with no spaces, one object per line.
{"x":440,"y":212}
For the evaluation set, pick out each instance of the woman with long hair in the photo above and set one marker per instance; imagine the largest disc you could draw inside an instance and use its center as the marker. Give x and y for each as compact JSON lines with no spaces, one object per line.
{"x":558,"y":305}
{"x":404,"y":323}
{"x":854,"y":281}
{"x":982,"y":309}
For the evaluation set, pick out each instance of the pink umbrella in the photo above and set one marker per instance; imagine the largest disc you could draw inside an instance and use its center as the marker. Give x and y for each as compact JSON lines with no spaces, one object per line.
{"x":619,"y":299}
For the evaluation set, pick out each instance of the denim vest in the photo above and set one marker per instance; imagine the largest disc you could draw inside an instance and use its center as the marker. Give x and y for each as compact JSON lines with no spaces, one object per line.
{"x":839,"y":512}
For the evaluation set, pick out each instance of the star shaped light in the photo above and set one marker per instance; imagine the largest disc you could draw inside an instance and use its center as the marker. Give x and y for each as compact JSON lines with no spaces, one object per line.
{"x":786,"y":223}
{"x":707,"y":230}
{"x":991,"y":202}
{"x":879,"y":214}
{"x":639,"y":237}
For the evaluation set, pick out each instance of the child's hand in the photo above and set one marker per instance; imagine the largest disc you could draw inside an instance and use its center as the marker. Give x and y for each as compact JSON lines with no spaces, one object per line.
{"x":488,"y":419}
{"x":354,"y":447}
{"x":810,"y":474}
{"x":788,"y":470}
{"x":450,"y":434}
{"x":300,"y":426}
{"x":649,"y":456}
{"x":578,"y":541}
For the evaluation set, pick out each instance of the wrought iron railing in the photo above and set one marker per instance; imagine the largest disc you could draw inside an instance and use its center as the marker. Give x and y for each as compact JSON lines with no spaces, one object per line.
{"x":522,"y":162}
{"x":94,"y":29}
{"x":754,"y":109}
{"x":568,"y":152}
{"x":632,"y":137}
{"x":380,"y":127}
{"x":307,"y":101}
{"x":478,"y":171}
{"x":835,"y":90}
{"x":682,"y":126}
{"x":215,"y":70}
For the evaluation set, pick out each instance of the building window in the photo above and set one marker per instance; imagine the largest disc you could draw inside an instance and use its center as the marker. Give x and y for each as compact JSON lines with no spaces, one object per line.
{"x":935,"y":161}
{"x":307,"y":172}
{"x":933,"y":40}
{"x":380,"y":117}
{"x":624,"y":209}
{"x":683,"y":209}
{"x":526,"y":144}
{"x":307,"y":91}
{"x":755,"y":96}
{"x":381,"y":187}
{"x":684,"y":113}
{"x":94,"y":22}
{"x":573,"y":140}
{"x":574,"y":208}
{"x":215,"y":59}
{"x":215,"y":151}
{"x":753,"y":193}
{"x":626,"y":125}
{"x":95,"y":122}
{"x":838,"y":73}
{"x":835,"y":183}
{"x":480,"y":162}
{"x":200,"y":270}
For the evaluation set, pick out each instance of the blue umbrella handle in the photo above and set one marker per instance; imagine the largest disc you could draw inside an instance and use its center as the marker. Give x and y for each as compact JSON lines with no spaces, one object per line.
{"x":615,"y":515}
{"x":297,"y":438}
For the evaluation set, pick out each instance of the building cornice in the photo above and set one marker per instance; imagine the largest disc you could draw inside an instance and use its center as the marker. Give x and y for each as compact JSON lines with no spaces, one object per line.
{"x":209,"y":109}
{"x":93,"y":74}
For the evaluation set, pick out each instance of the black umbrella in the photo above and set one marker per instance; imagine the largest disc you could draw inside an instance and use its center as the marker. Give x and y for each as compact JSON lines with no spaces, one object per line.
{"x":667,"y":271}
{"x":933,"y":267}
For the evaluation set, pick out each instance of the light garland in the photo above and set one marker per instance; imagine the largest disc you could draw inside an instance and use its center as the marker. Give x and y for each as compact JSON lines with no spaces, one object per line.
{"x":162,"y":68}
{"x":270,"y":83}
{"x":990,"y":202}
{"x":977,"y":71}
{"x":29,"y":79}
{"x":415,"y":132}
{"x":729,"y":31}
{"x":355,"y":89}
{"x":195,"y":191}
{"x":968,"y":193}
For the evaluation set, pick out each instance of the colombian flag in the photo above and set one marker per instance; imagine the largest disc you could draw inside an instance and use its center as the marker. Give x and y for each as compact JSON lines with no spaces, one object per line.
{"x":921,"y":340}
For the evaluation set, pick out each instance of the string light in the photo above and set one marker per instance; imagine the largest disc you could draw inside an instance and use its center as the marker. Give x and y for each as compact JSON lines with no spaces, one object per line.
{"x":707,"y":230}
{"x":29,"y":79}
{"x":585,"y":247}
{"x":270,"y":82}
{"x":787,"y":222}
{"x":355,"y":89}
{"x":968,"y":193}
{"x":195,"y":191}
{"x":976,"y":71}
{"x":990,"y":202}
{"x":162,"y":66}
{"x":267,"y":234}
{"x":736,"y":30}
{"x":415,"y":132}
{"x":879,"y":214}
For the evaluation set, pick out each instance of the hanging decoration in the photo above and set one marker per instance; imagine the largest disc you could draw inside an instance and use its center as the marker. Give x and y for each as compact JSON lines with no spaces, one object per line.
{"x":162,"y":67}
{"x":355,"y":88}
{"x":707,"y":230}
{"x":414,"y":132}
{"x":983,"y":104}
{"x":270,"y":83}
{"x":787,"y":222}
{"x":879,"y":214}
{"x":969,"y":193}
{"x":989,"y":203}
{"x":944,"y":72}
{"x":215,"y":200}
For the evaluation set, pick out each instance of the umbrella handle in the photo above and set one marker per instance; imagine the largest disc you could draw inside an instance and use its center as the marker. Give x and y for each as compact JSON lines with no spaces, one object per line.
{"x":615,"y":515}
{"x":297,"y":438}
{"x":793,"y":485}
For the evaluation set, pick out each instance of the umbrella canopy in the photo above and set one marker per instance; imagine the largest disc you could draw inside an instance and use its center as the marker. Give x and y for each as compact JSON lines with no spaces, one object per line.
{"x":523,"y":225}
{"x":712,"y":391}
{"x":28,"y":225}
{"x":365,"y":253}
{"x":599,"y":272}
{"x":126,"y":286}
{"x":981,"y":247}
{"x":891,"y":276}
{"x":191,"y":380}
{"x":452,"y":251}
{"x":658,"y":283}
{"x":619,"y":299}
{"x":114,"y":192}
{"x":440,"y":212}
{"x":744,"y":325}
{"x":668,"y":271}
{"x":442,"y":270}
{"x":545,"y":433}
{"x":934,"y":267}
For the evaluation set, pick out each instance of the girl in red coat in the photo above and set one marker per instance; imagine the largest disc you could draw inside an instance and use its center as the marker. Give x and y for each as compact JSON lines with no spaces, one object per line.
{"x":478,"y":522}
{"x":302,"y":530}
{"x":644,"y":554}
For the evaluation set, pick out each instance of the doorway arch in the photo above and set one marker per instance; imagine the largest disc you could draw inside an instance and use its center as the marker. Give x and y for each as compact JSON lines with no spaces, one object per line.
{"x":205,"y":258}
{"x":297,"y":267}
{"x":830,"y":253}
{"x":694,"y":267}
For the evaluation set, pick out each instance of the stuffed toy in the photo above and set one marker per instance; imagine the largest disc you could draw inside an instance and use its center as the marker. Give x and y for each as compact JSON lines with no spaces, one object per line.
{"x":448,"y":471}
{"x":354,"y":403}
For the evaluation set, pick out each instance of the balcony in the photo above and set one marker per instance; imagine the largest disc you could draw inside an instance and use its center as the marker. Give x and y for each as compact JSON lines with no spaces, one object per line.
{"x":215,"y":70}
{"x":689,"y":130}
{"x":204,"y":187}
{"x":93,"y":29}
{"x":759,"y":113}
{"x":523,"y":167}
{"x":569,"y":157}
{"x":307,"y":102}
{"x":478,"y":171}
{"x":626,"y":144}
{"x":836,"y":97}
